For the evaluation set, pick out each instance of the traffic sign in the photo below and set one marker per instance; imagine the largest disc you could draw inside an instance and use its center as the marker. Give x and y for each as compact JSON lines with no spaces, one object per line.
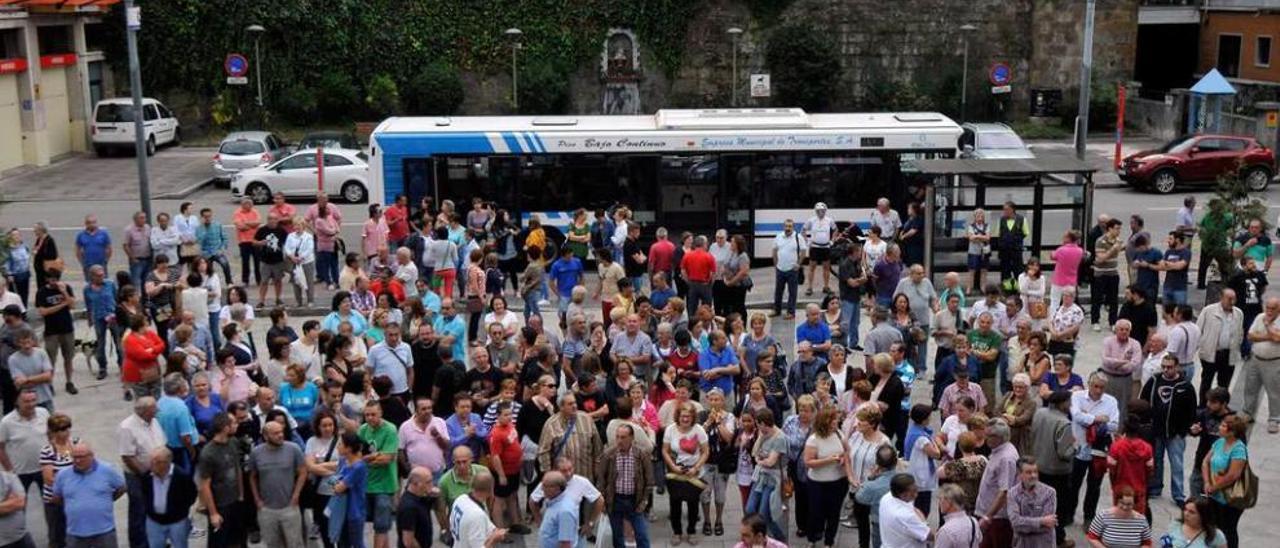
{"x":236,"y":65}
{"x":1000,"y":74}
{"x":1272,"y":119}
{"x":237,"y":80}
{"x":1001,"y":89}
{"x":759,"y":85}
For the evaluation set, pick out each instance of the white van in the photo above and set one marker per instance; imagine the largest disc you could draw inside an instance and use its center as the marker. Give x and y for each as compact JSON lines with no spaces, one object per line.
{"x":113,"y":125}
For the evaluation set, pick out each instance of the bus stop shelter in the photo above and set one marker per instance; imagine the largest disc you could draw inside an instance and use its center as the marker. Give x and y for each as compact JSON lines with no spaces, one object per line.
{"x":1054,"y":193}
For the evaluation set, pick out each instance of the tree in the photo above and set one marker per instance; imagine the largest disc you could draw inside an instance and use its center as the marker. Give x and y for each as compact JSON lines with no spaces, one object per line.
{"x":1228,"y":213}
{"x":437,"y":90}
{"x":804,"y":67}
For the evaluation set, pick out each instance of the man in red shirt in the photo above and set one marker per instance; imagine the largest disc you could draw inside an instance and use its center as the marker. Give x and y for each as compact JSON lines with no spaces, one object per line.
{"x":397,"y":217}
{"x":661,"y":254}
{"x":282,"y":210}
{"x":698,"y":267}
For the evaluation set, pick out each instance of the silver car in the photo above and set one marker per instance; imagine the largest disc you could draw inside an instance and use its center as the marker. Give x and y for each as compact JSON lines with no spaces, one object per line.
{"x":992,"y":142}
{"x":245,"y":149}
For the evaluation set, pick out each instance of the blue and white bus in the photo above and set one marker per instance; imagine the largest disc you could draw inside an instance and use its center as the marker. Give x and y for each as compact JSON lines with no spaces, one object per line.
{"x":744,"y":170}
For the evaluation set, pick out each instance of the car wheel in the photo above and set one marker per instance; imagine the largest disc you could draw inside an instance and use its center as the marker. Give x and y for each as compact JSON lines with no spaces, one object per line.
{"x":1257,"y":178}
{"x":1164,"y":181}
{"x":354,"y":192}
{"x":151,"y":145}
{"x":259,"y":193}
{"x":177,"y":136}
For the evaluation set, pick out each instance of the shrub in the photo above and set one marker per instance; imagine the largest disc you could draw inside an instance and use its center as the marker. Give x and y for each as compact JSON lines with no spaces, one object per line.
{"x":336,"y":95}
{"x":382,"y":96}
{"x":543,"y":89}
{"x":297,"y":104}
{"x":804,"y":66}
{"x":437,"y":90}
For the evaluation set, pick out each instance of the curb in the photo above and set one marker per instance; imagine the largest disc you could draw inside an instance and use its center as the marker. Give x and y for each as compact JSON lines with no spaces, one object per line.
{"x":183,"y":192}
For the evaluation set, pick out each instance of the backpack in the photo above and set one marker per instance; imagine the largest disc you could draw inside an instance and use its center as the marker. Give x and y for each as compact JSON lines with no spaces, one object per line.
{"x":494,"y":281}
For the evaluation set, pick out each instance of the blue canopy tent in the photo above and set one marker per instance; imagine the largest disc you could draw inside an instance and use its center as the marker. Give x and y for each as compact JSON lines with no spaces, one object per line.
{"x":1205,"y":112}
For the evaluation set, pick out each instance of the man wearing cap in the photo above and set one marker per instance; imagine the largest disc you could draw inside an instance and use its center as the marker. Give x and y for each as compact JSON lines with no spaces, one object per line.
{"x":819,"y":230}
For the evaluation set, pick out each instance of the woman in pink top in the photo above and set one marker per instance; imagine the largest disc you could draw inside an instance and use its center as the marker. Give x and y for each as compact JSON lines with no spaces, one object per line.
{"x":1066,"y":267}
{"x":375,"y":232}
{"x":327,"y":225}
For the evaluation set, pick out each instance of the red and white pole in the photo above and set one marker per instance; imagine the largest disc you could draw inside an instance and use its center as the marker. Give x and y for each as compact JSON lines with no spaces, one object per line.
{"x":320,"y":168}
{"x":1120,"y":93}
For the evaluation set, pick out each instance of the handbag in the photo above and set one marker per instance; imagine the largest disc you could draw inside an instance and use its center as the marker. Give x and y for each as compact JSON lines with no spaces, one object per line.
{"x":475,"y":304}
{"x":189,"y":250}
{"x":54,"y":264}
{"x":1243,"y":494}
{"x":799,"y":263}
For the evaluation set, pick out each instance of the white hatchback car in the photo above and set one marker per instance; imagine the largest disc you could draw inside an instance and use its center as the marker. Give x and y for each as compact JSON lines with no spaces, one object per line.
{"x":113,"y":125}
{"x":346,"y":175}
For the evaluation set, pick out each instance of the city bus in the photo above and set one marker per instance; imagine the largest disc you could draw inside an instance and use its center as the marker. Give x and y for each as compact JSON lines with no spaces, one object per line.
{"x":743,"y":170}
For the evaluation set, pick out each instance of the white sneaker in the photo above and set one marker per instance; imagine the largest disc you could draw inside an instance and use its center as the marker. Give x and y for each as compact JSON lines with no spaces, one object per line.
{"x":1097,"y":328}
{"x":543,"y":303}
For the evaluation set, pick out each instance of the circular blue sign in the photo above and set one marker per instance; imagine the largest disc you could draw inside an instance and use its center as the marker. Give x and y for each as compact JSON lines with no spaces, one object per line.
{"x":1000,"y":74}
{"x":236,"y":65}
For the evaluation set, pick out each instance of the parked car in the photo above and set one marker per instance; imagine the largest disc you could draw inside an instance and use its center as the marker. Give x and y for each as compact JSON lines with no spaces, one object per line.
{"x":245,"y":149}
{"x":113,"y":125}
{"x":1199,"y":159}
{"x":992,"y":142}
{"x":346,"y":175}
{"x":329,"y":139}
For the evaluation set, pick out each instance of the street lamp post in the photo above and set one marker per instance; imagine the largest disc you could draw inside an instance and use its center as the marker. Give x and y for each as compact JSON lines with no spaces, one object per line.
{"x":514,"y":35}
{"x":964,"y":71}
{"x":735,"y":33}
{"x":133,"y":22}
{"x":256,"y":31}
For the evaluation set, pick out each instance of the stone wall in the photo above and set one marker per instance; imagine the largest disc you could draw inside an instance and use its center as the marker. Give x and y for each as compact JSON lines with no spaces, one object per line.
{"x":900,"y":41}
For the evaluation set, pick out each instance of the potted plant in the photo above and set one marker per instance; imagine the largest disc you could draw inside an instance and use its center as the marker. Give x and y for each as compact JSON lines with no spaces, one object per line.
{"x":1227,"y":214}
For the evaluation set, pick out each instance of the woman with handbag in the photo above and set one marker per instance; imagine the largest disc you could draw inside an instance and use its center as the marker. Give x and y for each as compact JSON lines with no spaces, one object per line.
{"x":737,"y":278}
{"x":142,"y":350}
{"x":1226,"y":476}
{"x":768,"y":483}
{"x":322,"y":463}
{"x":685,"y":450}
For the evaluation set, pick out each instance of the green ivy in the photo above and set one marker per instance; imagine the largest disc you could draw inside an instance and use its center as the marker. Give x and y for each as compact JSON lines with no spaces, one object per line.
{"x":183,"y":42}
{"x":804,"y":67}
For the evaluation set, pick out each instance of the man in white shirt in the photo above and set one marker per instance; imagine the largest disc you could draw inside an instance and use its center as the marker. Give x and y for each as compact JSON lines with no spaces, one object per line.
{"x":788,"y":251}
{"x":901,"y":524}
{"x":578,"y":488}
{"x":887,"y":219}
{"x":1157,"y":349}
{"x":1090,"y":407}
{"x":468,"y":520}
{"x":407,"y":272}
{"x":818,"y":230}
{"x":1221,"y":330}
{"x":394,"y":359}
{"x":165,"y":238}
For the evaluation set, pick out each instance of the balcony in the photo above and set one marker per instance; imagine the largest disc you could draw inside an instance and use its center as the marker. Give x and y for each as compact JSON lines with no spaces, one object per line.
{"x":1169,"y":12}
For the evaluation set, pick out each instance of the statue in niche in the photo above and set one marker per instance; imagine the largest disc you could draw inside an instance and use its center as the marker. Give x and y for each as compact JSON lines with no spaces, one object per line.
{"x":620,"y":72}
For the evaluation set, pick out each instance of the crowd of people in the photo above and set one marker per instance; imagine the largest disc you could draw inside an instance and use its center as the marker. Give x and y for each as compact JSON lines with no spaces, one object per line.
{"x":422,"y":403}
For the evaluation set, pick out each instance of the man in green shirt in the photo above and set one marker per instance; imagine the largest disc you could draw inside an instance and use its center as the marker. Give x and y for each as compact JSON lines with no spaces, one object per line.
{"x":382,"y":482}
{"x":985,"y":344}
{"x":457,"y":481}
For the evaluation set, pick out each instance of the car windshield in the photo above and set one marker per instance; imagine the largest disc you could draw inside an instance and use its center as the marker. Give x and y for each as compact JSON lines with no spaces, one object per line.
{"x":326,"y":141}
{"x":241,"y":147}
{"x":1001,"y":140}
{"x":1179,"y":145}
{"x":114,"y":114}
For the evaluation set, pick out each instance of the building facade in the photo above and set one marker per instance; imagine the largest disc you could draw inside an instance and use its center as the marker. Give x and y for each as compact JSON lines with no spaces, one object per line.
{"x":50,"y":78}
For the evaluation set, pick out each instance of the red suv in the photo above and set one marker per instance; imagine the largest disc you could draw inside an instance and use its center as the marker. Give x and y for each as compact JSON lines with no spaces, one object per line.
{"x":1199,"y":159}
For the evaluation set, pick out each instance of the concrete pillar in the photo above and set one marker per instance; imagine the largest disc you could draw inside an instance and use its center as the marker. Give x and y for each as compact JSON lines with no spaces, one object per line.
{"x":35,"y":136}
{"x":78,"y":89}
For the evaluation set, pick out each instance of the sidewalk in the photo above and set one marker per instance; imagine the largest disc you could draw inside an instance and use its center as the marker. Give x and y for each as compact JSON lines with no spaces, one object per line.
{"x":174,"y":172}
